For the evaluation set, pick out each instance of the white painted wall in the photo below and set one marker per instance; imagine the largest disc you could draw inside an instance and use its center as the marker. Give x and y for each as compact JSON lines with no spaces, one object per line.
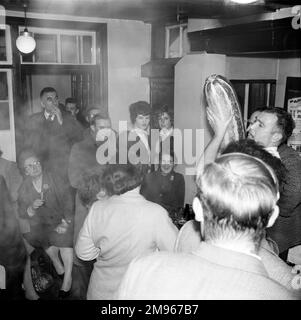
{"x":189,"y":108}
{"x":244,"y":68}
{"x":265,"y":68}
{"x":129,"y":46}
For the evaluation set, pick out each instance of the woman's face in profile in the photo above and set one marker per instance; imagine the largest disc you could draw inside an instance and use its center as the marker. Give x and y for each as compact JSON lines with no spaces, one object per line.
{"x":142,"y":121}
{"x":164,"y":121}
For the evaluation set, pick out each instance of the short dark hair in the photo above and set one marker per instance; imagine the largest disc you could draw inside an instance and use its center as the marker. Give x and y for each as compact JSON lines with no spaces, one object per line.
{"x":70,"y":100}
{"x":137,"y":108}
{"x":285,"y":121}
{"x":120,"y":178}
{"x":252,"y":148}
{"x":47,"y":90}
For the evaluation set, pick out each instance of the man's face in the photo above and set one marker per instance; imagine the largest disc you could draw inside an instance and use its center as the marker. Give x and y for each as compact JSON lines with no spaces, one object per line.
{"x":264,"y":130}
{"x":92,"y":113}
{"x":50,"y":102}
{"x":71,"y":108}
{"x":253,"y":117}
{"x":100,"y":124}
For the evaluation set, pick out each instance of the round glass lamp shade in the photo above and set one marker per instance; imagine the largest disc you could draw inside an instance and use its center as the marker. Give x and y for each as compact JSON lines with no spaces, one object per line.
{"x":25,"y":42}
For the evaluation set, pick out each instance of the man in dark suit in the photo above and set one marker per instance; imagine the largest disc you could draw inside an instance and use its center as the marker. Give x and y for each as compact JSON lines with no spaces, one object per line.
{"x":236,"y":202}
{"x":82,"y":163}
{"x":12,"y":249}
{"x":272,"y":128}
{"x":51,"y":133}
{"x":72,"y":109}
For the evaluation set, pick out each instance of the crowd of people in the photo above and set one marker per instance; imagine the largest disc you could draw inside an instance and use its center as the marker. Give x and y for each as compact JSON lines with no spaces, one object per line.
{"x":77,"y":225}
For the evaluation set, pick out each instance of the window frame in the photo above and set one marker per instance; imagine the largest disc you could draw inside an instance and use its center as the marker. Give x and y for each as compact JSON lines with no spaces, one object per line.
{"x":58,"y":33}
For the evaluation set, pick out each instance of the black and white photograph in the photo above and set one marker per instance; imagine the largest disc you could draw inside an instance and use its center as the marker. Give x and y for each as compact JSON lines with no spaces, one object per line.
{"x":150,"y":150}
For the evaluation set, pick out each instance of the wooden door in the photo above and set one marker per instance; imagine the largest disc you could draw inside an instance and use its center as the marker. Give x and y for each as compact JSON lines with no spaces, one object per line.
{"x":83,"y":89}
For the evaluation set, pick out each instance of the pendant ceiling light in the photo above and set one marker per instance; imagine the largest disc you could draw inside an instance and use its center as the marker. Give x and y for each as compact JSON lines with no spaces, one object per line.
{"x":25,"y":42}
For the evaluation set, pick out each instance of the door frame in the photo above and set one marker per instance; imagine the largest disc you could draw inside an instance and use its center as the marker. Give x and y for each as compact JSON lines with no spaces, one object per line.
{"x":27,"y":70}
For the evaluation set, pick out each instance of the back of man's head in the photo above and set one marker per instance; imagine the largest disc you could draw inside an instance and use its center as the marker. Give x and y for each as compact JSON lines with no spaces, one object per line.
{"x":285,"y":121}
{"x":252,"y":148}
{"x":238,"y":196}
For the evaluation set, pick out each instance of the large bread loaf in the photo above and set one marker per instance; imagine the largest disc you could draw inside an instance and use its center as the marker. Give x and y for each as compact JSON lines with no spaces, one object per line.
{"x":222,"y":100}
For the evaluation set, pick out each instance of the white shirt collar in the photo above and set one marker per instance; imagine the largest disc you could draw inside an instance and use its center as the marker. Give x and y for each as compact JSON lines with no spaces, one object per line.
{"x":48,"y":115}
{"x":273,"y":151}
{"x":140,"y":131}
{"x":143,"y":135}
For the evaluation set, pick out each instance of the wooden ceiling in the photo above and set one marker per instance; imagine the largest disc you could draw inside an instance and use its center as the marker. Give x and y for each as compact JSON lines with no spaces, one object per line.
{"x":148,"y":10}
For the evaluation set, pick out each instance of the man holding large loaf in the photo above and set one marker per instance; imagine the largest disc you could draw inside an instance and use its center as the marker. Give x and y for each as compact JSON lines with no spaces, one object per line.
{"x":272,"y":128}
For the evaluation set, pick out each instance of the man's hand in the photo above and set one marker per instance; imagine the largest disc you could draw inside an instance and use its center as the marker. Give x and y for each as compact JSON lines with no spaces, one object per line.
{"x":218,"y":125}
{"x":58,"y":114}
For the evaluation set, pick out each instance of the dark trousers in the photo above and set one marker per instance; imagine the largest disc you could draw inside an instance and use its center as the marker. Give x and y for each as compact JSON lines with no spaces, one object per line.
{"x":283,"y":255}
{"x":81,"y":273}
{"x":13,"y":291}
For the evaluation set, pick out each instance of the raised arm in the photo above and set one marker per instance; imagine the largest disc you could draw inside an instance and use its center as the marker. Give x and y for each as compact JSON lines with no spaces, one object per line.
{"x":219,"y":127}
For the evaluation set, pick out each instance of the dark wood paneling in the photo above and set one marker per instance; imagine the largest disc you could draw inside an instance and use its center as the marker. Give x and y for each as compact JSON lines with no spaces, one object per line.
{"x":260,"y":37}
{"x":158,"y":41}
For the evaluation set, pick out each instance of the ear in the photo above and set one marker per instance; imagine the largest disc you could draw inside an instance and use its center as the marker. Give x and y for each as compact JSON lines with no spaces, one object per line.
{"x":277,"y":137}
{"x":273,"y":216}
{"x":198,"y":210}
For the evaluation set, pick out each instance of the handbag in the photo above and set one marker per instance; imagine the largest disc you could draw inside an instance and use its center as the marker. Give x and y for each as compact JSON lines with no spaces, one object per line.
{"x":45,"y":279}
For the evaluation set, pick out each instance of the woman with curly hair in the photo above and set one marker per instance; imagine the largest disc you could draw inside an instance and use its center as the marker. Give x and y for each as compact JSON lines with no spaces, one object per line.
{"x":121,"y":228}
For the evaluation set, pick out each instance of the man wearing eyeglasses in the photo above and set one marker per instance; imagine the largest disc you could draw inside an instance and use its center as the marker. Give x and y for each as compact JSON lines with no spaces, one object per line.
{"x":51,"y":133}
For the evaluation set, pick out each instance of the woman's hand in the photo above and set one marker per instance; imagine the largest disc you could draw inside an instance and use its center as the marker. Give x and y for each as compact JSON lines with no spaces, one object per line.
{"x":32,"y":209}
{"x":37,"y":204}
{"x":62,"y":227}
{"x":218,"y":125}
